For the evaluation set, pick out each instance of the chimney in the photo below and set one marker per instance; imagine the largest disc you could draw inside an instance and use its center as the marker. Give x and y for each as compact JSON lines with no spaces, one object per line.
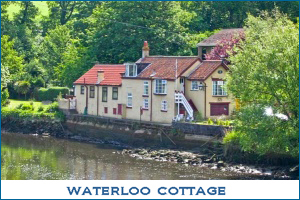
{"x":146,"y":50}
{"x":222,"y":58}
{"x":100,"y":76}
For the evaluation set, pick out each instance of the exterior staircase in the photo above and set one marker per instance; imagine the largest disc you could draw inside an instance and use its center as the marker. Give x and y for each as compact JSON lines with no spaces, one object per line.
{"x":180,"y":98}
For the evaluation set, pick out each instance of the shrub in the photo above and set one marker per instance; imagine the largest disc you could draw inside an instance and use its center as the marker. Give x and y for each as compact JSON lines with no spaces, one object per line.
{"x":4,"y":97}
{"x":19,"y":106}
{"x":198,"y":116}
{"x":52,"y":108}
{"x":40,"y":108}
{"x":256,"y":132}
{"x":27,"y":107}
{"x":210,"y":121}
{"x":50,"y":94}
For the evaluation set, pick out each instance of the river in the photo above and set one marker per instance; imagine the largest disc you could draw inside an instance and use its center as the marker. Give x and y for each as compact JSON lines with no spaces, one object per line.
{"x":29,"y":157}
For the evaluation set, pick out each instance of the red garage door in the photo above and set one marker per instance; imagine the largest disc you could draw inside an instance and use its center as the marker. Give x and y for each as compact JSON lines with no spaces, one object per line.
{"x":219,"y":109}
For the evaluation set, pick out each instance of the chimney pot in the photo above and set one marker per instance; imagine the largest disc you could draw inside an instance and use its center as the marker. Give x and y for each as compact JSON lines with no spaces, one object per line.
{"x":145,"y":49}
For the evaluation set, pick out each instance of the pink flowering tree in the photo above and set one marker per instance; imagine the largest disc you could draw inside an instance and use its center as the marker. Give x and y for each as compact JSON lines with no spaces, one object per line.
{"x":224,"y":48}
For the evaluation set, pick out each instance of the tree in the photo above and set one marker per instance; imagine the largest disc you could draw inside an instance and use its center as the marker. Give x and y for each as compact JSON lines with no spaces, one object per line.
{"x":22,"y":87}
{"x":265,"y":73}
{"x":119,"y":29}
{"x":52,"y":49}
{"x":5,"y":79}
{"x":225,"y":48}
{"x":9,"y":56}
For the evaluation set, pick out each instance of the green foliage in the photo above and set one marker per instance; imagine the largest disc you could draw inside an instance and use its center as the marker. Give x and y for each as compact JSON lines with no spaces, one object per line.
{"x":52,"y":108}
{"x":40,"y":108}
{"x":256,"y":132}
{"x":9,"y":56}
{"x":231,"y":137}
{"x":4,"y":96}
{"x":19,"y":106}
{"x":198,"y":116}
{"x":22,"y":87}
{"x":272,"y":48}
{"x":210,"y":121}
{"x":27,"y":107}
{"x":51,"y":93}
{"x":31,"y":114}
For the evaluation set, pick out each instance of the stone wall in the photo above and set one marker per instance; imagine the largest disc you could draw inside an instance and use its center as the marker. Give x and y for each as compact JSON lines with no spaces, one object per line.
{"x":138,"y":133}
{"x":199,"y":129}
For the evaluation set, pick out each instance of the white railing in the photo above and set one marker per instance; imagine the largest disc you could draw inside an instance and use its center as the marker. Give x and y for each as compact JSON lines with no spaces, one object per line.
{"x":180,"y":98}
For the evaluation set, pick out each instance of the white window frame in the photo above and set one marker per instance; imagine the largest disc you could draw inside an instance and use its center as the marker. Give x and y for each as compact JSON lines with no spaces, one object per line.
{"x":128,"y":68}
{"x":218,"y":88}
{"x":164,"y":105}
{"x":145,"y":103}
{"x":146,"y":88}
{"x":160,"y":89}
{"x":193,"y":84}
{"x":129,"y":99}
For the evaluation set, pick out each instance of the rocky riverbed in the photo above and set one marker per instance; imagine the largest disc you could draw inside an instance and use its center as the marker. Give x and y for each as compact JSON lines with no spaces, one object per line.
{"x":213,"y":162}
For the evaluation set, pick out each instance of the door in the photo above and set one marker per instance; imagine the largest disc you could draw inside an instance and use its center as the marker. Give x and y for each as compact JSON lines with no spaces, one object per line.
{"x":120,"y":107}
{"x":72,"y":103}
{"x":181,"y":85}
{"x":217,"y":109}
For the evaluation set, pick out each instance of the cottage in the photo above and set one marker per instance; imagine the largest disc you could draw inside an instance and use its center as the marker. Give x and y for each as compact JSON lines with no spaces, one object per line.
{"x":158,"y":88}
{"x":98,"y":91}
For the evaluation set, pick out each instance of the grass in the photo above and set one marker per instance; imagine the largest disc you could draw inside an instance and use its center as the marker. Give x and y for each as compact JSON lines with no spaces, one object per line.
{"x":41,"y":5}
{"x":14,"y":103}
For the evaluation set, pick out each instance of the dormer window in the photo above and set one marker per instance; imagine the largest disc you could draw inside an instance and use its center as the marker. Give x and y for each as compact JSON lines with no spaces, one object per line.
{"x":131,"y":70}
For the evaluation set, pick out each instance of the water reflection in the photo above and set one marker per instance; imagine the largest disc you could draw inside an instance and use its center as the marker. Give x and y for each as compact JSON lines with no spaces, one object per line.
{"x":26,"y":157}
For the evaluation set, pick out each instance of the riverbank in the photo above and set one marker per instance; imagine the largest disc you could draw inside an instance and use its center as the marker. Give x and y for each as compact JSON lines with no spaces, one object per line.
{"x":39,"y":157}
{"x":145,"y":141}
{"x":196,"y":157}
{"x":192,"y":158}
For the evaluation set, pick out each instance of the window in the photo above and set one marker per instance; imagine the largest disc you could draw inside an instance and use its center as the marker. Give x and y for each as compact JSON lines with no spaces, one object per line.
{"x":218,"y":88}
{"x":104,"y":94}
{"x":129,"y":99}
{"x":195,"y":85}
{"x":105,"y":110}
{"x":160,"y":86}
{"x":82,"y":89}
{"x":146,"y":87}
{"x":146,"y":104}
{"x":92,"y":91}
{"x":131,"y":70}
{"x":220,"y":72}
{"x":114,"y":111}
{"x":164,"y":105}
{"x":115,"y":93}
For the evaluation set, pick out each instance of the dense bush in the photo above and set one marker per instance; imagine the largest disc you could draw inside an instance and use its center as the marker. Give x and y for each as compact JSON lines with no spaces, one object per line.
{"x":40,"y":108}
{"x":4,"y":97}
{"x":30,"y":114}
{"x":50,"y":94}
{"x":52,"y":108}
{"x":27,"y":107}
{"x":254,"y":131}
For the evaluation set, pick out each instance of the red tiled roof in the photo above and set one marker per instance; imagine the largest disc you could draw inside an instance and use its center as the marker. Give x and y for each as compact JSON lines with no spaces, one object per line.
{"x":112,"y":75}
{"x":223,"y":34}
{"x":205,"y":69}
{"x":165,"y":66}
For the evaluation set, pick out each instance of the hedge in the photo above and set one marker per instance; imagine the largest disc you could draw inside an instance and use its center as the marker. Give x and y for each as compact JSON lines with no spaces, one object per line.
{"x":50,"y":94}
